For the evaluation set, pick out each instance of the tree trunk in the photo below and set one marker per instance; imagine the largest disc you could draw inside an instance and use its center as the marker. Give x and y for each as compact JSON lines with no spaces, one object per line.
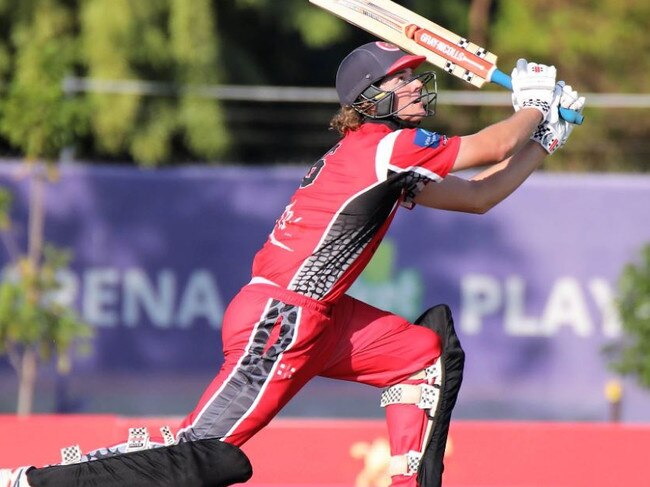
{"x":29,"y":362}
{"x":36,"y":215}
{"x":479,"y":20}
{"x":26,"y":382}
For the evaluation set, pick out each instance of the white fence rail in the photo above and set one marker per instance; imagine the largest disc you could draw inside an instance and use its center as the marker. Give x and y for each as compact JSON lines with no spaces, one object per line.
{"x":296,"y":94}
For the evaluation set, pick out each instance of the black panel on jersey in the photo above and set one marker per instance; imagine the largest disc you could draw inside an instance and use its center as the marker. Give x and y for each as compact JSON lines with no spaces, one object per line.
{"x":202,"y":463}
{"x":376,"y":203}
{"x":354,"y":227}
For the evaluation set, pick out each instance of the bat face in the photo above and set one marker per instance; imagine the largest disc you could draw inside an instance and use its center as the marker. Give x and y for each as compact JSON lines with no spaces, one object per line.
{"x":455,"y":54}
{"x":417,"y":35}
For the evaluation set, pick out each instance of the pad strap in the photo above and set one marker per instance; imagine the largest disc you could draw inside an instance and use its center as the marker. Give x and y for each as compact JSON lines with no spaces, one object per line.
{"x":406,"y":464}
{"x":432,"y":374}
{"x":70,"y":455}
{"x":424,"y":396}
{"x":168,"y":437}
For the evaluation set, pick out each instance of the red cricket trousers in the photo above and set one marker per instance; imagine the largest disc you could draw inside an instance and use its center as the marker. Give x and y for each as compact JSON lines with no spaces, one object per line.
{"x":274,"y":341}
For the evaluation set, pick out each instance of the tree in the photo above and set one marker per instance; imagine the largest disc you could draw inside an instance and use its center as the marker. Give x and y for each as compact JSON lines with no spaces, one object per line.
{"x":36,"y":116}
{"x":175,"y":48}
{"x":41,"y":121}
{"x":595,"y":45}
{"x":169,"y":41}
{"x":632,"y":355}
{"x":34,"y":327}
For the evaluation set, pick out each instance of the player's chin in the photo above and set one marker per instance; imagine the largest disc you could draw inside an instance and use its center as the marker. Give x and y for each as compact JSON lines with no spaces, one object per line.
{"x":413,"y":118}
{"x":418,"y":111}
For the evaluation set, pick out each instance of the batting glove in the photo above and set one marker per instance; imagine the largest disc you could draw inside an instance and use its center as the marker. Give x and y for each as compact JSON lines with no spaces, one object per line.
{"x":553,"y":135}
{"x":533,"y":86}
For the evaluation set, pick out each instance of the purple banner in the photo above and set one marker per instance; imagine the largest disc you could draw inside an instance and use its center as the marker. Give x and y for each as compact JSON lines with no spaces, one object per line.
{"x":158,"y":255}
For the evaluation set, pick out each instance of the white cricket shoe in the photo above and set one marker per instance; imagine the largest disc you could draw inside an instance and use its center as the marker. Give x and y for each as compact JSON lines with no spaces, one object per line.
{"x":16,"y":477}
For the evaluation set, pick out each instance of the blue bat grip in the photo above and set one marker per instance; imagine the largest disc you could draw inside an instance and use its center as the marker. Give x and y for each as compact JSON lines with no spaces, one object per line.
{"x":501,"y":78}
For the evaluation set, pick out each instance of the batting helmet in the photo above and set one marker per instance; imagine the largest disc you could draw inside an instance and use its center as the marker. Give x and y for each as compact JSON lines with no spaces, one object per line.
{"x":368,"y":64}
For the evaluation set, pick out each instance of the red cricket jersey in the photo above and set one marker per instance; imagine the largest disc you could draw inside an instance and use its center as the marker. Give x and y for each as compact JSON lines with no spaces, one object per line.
{"x":344,"y":205}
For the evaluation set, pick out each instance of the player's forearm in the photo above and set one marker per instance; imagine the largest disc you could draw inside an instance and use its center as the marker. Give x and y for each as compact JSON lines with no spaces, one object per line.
{"x":511,"y":134}
{"x":498,"y":141}
{"x":497,"y":182}
{"x":487,"y":188}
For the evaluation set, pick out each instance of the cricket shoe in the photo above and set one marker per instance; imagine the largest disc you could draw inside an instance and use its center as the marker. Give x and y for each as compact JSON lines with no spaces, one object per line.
{"x":138,"y":440}
{"x":16,"y":477}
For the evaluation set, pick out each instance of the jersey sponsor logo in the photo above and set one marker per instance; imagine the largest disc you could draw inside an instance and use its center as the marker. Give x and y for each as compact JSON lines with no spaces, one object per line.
{"x":424,"y":138}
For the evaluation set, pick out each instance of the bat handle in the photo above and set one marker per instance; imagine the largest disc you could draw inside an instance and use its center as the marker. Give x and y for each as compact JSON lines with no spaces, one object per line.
{"x":501,"y":78}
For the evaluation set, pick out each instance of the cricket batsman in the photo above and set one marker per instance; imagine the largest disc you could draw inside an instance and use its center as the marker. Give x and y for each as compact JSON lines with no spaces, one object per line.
{"x":294,"y":321}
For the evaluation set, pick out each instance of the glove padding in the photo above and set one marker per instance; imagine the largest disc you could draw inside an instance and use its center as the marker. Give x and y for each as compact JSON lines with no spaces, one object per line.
{"x":553,"y":135}
{"x":533,"y":86}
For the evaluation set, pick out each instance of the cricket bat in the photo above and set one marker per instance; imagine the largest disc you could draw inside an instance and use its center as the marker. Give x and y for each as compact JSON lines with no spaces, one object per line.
{"x":417,"y":35}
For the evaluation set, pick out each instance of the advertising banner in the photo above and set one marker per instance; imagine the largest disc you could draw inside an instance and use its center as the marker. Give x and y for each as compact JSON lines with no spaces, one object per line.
{"x":356,"y":453}
{"x":158,"y":254}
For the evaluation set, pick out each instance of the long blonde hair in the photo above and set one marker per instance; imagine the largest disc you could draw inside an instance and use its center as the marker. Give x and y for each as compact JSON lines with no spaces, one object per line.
{"x":346,"y":119}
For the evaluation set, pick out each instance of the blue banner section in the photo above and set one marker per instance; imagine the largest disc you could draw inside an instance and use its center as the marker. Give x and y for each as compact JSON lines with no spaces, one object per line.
{"x":159,"y":254}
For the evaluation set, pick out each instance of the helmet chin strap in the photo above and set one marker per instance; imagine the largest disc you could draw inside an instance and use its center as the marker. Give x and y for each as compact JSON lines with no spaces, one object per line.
{"x":405,"y":124}
{"x":393,"y":122}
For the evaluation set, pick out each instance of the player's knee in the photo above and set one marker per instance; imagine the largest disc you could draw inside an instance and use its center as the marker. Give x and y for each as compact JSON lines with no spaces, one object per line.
{"x":429,"y":343}
{"x":439,"y":320}
{"x":433,"y":342}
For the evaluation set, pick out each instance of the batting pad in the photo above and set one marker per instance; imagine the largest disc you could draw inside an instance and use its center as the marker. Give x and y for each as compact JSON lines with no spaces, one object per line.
{"x":452,"y":362}
{"x":202,"y":463}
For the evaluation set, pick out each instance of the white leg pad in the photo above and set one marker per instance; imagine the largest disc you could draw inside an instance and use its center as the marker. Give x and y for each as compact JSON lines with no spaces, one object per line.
{"x":425,"y":396}
{"x":433,"y":373}
{"x":407,"y":464}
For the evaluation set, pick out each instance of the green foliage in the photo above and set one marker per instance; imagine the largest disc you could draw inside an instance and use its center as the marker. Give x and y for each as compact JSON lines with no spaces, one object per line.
{"x":171,"y":41}
{"x":195,"y":48}
{"x":108,"y":33}
{"x":31,"y":319}
{"x":632,"y":355}
{"x":36,"y":116}
{"x":316,"y":29}
{"x":183,"y":45}
{"x":34,"y":325}
{"x":595,"y":45}
{"x":589,"y":41}
{"x":6,"y":199}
